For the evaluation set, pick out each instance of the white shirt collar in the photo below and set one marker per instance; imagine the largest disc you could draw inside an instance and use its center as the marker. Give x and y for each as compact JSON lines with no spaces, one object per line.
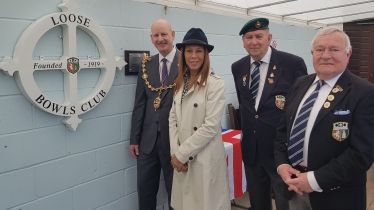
{"x":331,"y":82}
{"x":169,"y":57}
{"x":266,"y":58}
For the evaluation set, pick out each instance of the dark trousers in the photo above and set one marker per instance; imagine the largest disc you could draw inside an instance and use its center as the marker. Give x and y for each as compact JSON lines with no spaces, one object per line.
{"x":149,"y":169}
{"x":259,"y":181}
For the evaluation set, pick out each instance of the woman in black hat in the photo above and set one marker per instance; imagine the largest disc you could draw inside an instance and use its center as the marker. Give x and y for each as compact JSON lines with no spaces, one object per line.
{"x":200,"y":179}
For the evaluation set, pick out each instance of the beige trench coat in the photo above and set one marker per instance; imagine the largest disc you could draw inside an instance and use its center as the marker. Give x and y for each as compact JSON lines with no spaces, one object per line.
{"x":196,"y":139}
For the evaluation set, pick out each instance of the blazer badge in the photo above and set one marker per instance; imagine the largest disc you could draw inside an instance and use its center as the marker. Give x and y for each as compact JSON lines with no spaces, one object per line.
{"x":280,"y":101}
{"x":340,"y":131}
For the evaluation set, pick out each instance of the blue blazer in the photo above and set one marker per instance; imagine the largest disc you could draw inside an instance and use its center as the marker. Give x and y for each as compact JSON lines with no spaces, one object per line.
{"x":339,"y":166}
{"x":259,"y":127}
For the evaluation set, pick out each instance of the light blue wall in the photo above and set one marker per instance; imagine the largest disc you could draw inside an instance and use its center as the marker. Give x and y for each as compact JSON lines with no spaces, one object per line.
{"x":45,"y":166}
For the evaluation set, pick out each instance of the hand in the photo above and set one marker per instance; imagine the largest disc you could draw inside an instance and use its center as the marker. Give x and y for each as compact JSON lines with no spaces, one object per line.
{"x":134,"y":150}
{"x":286,"y":172}
{"x":184,"y":168}
{"x":301,"y":183}
{"x":177,"y":165}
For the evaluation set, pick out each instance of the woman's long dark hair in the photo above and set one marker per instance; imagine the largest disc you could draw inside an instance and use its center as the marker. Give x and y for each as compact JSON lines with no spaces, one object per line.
{"x":182,"y":68}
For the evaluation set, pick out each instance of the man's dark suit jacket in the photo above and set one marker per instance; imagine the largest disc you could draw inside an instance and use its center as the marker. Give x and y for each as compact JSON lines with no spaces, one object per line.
{"x":259,"y":127}
{"x":339,"y":166}
{"x":145,"y":120}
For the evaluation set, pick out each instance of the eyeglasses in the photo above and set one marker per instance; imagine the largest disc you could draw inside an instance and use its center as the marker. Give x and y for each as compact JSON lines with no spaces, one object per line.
{"x":332,"y":51}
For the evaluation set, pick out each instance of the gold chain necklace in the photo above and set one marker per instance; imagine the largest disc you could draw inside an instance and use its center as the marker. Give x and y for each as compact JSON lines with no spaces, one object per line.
{"x":157,"y":101}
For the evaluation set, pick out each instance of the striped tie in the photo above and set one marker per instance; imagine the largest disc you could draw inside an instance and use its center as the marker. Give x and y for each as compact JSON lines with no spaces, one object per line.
{"x":255,"y":76}
{"x":296,"y":143}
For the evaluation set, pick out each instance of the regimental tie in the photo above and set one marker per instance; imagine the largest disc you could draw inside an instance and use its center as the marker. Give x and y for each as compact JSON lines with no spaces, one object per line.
{"x":296,"y":143}
{"x":255,"y":76}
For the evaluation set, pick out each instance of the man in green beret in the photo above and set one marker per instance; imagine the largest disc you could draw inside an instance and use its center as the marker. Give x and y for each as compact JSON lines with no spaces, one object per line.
{"x":262,"y":80}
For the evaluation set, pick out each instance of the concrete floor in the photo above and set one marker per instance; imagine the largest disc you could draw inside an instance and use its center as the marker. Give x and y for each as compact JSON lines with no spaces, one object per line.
{"x":244,"y":201}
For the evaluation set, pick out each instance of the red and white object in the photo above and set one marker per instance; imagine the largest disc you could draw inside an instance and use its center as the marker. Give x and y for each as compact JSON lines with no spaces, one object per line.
{"x":237,"y":180}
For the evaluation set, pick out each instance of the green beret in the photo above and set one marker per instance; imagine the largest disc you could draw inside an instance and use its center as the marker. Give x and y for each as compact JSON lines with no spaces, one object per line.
{"x":255,"y":24}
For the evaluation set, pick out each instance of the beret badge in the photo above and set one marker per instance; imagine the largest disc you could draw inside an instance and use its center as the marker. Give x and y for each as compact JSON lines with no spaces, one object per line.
{"x":258,"y":24}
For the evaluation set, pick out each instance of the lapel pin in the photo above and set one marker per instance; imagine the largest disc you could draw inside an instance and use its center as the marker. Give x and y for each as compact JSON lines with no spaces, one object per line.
{"x":275,"y":67}
{"x":326,"y":105}
{"x":244,"y":80}
{"x":330,"y":97}
{"x":272,"y":75}
{"x":339,"y":88}
{"x":271,"y":81}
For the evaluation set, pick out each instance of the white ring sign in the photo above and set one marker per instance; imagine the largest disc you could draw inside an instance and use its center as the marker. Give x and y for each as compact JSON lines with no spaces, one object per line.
{"x":22,"y":64}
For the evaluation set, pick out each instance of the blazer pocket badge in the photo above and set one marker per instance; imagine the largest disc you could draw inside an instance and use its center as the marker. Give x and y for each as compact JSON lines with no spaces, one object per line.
{"x":341,"y":112}
{"x":280,"y":101}
{"x":340,"y":131}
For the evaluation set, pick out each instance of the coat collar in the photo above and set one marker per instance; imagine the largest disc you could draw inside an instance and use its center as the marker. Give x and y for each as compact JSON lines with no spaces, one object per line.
{"x":172,"y":73}
{"x":173,"y":69}
{"x":302,"y":89}
{"x":153,"y":71}
{"x":199,"y":79}
{"x":344,"y":82}
{"x":192,"y":88}
{"x":246,"y":76}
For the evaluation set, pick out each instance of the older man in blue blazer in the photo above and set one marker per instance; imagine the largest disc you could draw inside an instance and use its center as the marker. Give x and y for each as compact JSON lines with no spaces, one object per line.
{"x":324,"y":143}
{"x":262,"y":81}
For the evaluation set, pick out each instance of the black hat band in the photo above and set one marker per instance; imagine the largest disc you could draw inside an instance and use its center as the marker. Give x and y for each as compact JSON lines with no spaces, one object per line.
{"x":194,"y":41}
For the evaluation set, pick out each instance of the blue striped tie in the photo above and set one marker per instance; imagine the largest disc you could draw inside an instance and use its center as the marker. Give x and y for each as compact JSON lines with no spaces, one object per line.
{"x":255,"y":76}
{"x":296,"y":143}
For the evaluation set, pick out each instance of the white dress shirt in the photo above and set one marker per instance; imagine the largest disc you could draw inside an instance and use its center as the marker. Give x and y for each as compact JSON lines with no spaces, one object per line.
{"x":263,"y":72}
{"x":318,"y":105}
{"x":169,"y":59}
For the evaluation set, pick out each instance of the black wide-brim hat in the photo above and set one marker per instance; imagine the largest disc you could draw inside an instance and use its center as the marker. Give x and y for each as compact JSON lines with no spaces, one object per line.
{"x":195,"y":36}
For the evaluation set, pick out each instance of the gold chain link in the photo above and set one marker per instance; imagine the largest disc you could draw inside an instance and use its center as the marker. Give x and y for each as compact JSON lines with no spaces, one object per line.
{"x":145,"y":77}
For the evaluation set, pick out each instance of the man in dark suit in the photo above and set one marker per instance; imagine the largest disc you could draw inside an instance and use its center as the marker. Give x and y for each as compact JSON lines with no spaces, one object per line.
{"x":324,"y":143}
{"x":262,"y":80}
{"x":149,"y":139}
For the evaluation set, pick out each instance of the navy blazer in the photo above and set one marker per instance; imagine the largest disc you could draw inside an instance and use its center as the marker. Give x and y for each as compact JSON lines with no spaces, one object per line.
{"x":145,"y":120}
{"x":259,"y":127}
{"x":339,"y":166}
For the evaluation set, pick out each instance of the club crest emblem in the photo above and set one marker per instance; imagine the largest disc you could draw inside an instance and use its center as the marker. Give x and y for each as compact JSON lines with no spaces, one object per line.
{"x":280,"y":101}
{"x":340,"y":131}
{"x":73,"y":65}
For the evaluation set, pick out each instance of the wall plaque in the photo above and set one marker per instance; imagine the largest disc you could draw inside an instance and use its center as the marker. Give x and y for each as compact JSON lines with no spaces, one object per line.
{"x":134,"y":60}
